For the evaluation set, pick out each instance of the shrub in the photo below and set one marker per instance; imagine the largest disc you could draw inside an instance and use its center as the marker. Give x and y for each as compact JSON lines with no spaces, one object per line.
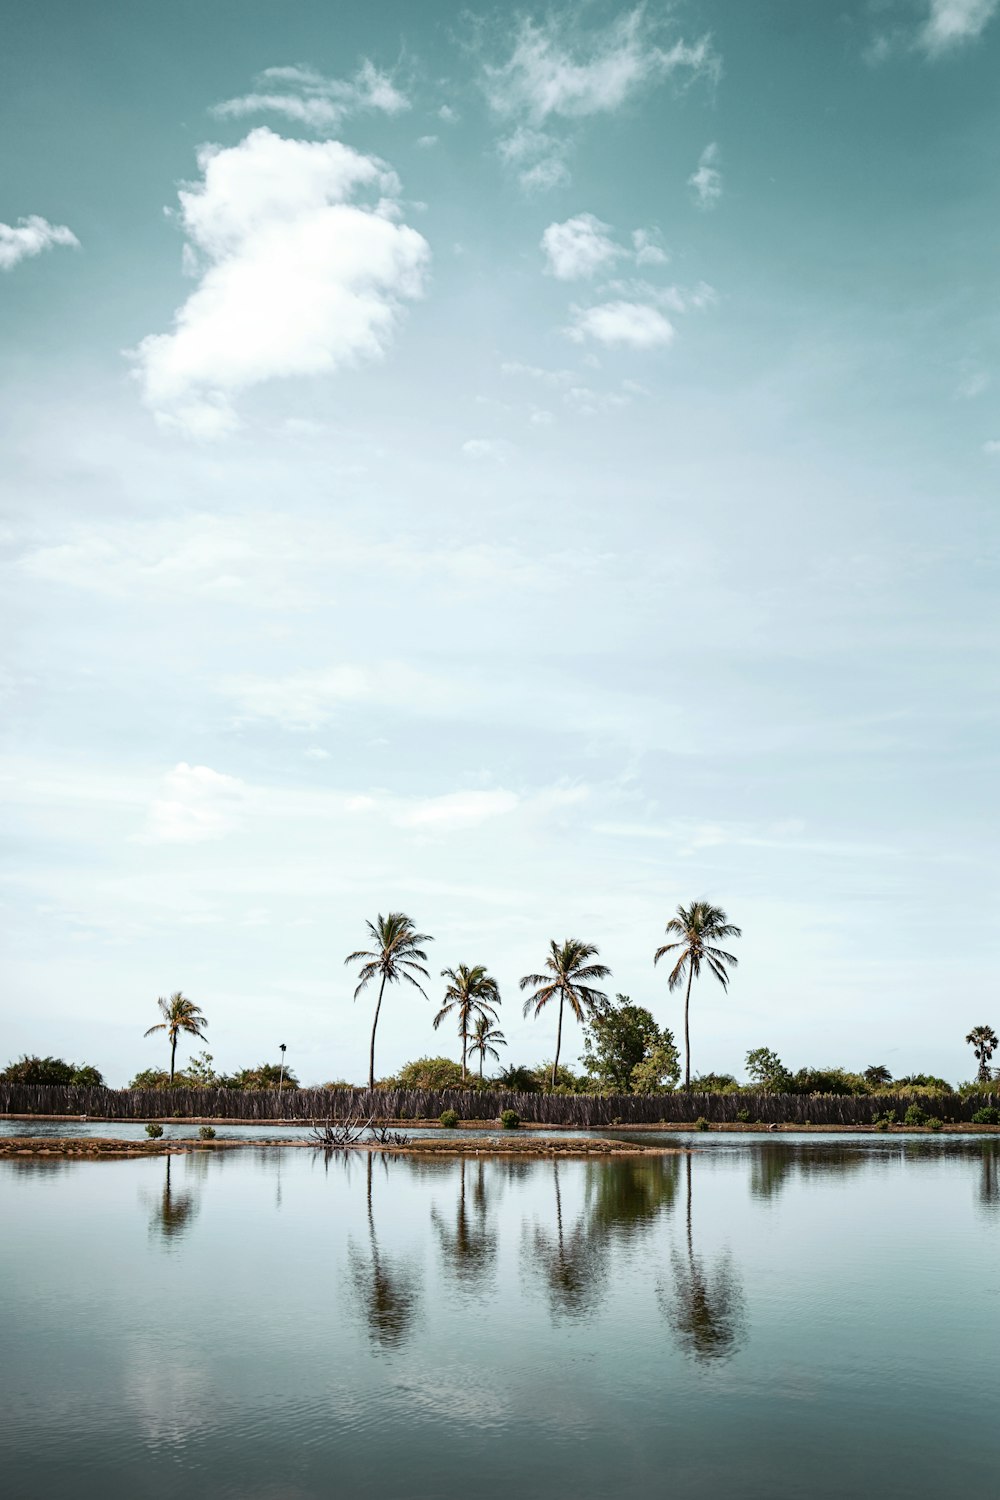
{"x":923,"y":1081}
{"x":51,"y":1070}
{"x":154,"y":1131}
{"x":510,"y":1119}
{"x":882,"y":1122}
{"x":988,"y":1115}
{"x":934,"y":1123}
{"x":701,"y":1123}
{"x":206,"y":1133}
{"x":915,"y":1115}
{"x":250,"y":1080}
{"x":516,"y":1080}
{"x":743,"y":1116}
{"x":449,"y":1118}
{"x":714,"y":1083}
{"x":430,"y":1073}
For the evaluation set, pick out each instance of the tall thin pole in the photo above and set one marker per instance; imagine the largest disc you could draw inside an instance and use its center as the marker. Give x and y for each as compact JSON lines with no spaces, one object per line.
{"x":281,"y":1075}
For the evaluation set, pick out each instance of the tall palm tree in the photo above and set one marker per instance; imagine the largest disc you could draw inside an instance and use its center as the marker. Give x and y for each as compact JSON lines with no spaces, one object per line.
{"x":698,"y":928}
{"x":471,"y":993}
{"x":486,"y":1038}
{"x":568,"y":977}
{"x":983,"y":1041}
{"x":179,"y":1014}
{"x":395,"y":957}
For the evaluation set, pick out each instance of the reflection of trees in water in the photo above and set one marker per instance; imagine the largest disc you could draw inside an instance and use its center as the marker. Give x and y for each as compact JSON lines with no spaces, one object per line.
{"x":989,"y":1186}
{"x":470,"y":1248}
{"x":173,"y":1209}
{"x":387,"y":1288}
{"x":705,"y":1306}
{"x":622,"y":1200}
{"x":772,"y":1164}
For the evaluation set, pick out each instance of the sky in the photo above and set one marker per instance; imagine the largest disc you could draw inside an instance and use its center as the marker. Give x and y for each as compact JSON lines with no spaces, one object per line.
{"x":525,"y":469}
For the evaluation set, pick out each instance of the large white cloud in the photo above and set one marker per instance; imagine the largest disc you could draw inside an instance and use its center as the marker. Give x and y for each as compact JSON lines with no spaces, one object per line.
{"x":30,"y":237}
{"x":949,"y":23}
{"x":295,"y":279}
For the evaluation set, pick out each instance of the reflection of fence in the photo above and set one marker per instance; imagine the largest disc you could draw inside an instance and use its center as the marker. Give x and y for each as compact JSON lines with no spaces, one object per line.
{"x":425,"y":1104}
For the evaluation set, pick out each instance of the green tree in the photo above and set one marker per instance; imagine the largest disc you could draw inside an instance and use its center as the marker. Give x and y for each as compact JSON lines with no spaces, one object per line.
{"x":471,"y":993}
{"x":429,"y":1073}
{"x":621,"y":1037}
{"x":51,"y":1070}
{"x":568,"y":977}
{"x":877,"y":1077}
{"x":767,"y":1071}
{"x":983,"y":1041}
{"x":486,"y":1038}
{"x":397,"y":955}
{"x":179,"y":1014}
{"x":659,"y":1071}
{"x":698,"y":930}
{"x":266,"y":1075}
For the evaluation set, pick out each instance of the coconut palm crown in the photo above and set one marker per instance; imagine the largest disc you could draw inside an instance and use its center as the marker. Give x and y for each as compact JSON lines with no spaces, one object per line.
{"x":698,"y":929}
{"x":568,"y":977}
{"x":397,"y":955}
{"x":486,"y":1038}
{"x":471,"y":993}
{"x":983,"y":1041}
{"x":179,"y":1014}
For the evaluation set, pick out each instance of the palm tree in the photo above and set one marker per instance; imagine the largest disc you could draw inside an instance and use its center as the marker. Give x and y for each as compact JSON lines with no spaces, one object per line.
{"x":393,"y":958}
{"x":983,"y":1041}
{"x":698,"y":927}
{"x":179,"y":1014}
{"x":472,"y":993}
{"x":568,"y":973}
{"x":486,"y":1038}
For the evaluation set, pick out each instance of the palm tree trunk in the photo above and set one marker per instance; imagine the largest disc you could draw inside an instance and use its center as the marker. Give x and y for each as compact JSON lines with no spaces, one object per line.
{"x":481,"y":1056}
{"x":173,"y":1054}
{"x":465,"y":1043}
{"x":371,"y":1054}
{"x":555,"y":1060}
{"x":687,"y":1029}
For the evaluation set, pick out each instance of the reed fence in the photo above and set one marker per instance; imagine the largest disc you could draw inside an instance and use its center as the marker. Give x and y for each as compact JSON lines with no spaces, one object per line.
{"x":567,"y":1110}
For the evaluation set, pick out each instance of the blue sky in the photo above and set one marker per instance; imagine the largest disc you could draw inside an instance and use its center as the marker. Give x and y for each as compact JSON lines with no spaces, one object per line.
{"x":524,"y":469}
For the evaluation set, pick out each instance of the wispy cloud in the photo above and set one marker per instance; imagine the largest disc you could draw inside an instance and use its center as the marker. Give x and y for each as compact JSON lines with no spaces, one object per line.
{"x":295,"y":278}
{"x":30,"y":237}
{"x":944,"y":27}
{"x":634,"y":325}
{"x":578,"y":248}
{"x":194,"y":804}
{"x":558,"y":73}
{"x":311,"y":100}
{"x":706,"y":181}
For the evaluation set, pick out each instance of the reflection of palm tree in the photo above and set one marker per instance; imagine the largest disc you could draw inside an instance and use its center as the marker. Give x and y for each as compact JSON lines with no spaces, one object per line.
{"x":708,"y":1313}
{"x":388,"y":1292}
{"x":173,"y":1210}
{"x":566,"y":1261}
{"x":470,"y":1248}
{"x":771,"y":1164}
{"x":627,"y":1196}
{"x":989,"y":1187}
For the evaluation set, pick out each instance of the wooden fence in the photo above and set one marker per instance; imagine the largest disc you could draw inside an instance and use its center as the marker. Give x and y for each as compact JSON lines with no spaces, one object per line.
{"x":566,"y":1110}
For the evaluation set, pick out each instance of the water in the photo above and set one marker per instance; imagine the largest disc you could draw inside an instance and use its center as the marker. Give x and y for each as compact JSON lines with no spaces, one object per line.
{"x":756,"y":1319}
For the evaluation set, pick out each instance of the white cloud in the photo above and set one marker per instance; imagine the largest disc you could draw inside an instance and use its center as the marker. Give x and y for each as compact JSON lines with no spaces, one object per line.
{"x":196,"y":803}
{"x":426,"y":141}
{"x":491,"y":448}
{"x":707,"y":180}
{"x":305,"y":700}
{"x":636,"y":325}
{"x":458,"y":809}
{"x":296,"y":279}
{"x":578,"y":248}
{"x":535,"y":372}
{"x":647,"y":248}
{"x":949,"y":23}
{"x":30,"y":237}
{"x":448,"y":115}
{"x":992,"y":446}
{"x":319,"y":103}
{"x":537,"y":157}
{"x":551,"y":73}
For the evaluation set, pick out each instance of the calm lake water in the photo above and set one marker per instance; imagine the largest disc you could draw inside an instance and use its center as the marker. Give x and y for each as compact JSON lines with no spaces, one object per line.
{"x":756,"y":1319}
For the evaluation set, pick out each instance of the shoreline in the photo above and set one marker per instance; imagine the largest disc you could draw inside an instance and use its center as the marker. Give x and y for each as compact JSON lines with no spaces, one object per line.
{"x":96,"y":1148}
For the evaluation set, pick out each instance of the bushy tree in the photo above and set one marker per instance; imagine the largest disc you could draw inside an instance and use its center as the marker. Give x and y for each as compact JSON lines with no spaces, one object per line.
{"x":51,"y":1070}
{"x":766,"y":1070}
{"x":826,"y":1081}
{"x":620,"y":1037}
{"x":264,"y":1076}
{"x":516,"y":1079}
{"x":429,"y":1073}
{"x":713,"y":1083}
{"x":923,"y":1081}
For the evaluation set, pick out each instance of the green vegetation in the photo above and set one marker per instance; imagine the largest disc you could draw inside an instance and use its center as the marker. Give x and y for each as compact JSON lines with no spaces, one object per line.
{"x":701,"y":1123}
{"x":698,"y":929}
{"x":206,"y":1133}
{"x":486,"y":1038}
{"x":625,"y":1052}
{"x":510,"y":1119}
{"x":51,"y":1070}
{"x":989,"y":1115}
{"x":398,"y":955}
{"x":179,"y":1015}
{"x":473,"y":995}
{"x":449,"y":1118}
{"x":201,"y":1075}
{"x":569,"y":975}
{"x":154,"y":1131}
{"x":915,"y":1115}
{"x":983,"y":1041}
